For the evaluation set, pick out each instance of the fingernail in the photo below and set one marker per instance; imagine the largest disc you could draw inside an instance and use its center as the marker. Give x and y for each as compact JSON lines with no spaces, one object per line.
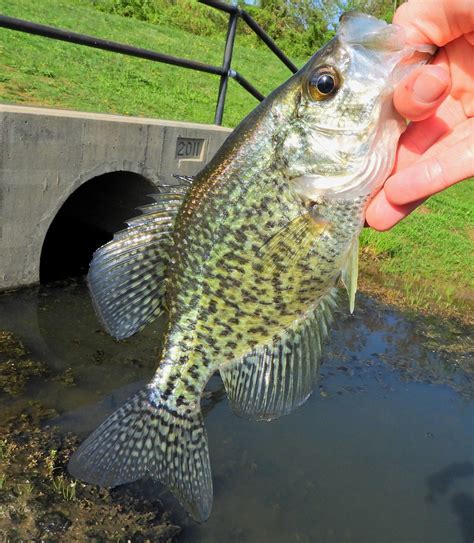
{"x":428,"y":87}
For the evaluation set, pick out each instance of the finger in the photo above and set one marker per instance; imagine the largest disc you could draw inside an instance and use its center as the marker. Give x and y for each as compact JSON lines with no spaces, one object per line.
{"x":383,"y":215}
{"x":432,"y":174}
{"x":438,"y":22}
{"x":421,"y":136}
{"x":460,"y":58}
{"x":452,"y":140}
{"x":420,"y":94}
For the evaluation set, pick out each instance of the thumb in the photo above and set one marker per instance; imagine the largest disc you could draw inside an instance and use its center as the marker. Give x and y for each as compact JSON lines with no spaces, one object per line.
{"x":419,"y":95}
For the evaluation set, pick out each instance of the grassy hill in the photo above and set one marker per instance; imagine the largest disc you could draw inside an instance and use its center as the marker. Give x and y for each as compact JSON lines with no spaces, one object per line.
{"x":37,"y":70}
{"x":425,"y":261}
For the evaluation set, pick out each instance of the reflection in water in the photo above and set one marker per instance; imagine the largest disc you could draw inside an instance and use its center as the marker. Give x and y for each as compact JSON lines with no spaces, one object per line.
{"x":463,"y":505}
{"x":389,"y":423}
{"x":442,"y":483}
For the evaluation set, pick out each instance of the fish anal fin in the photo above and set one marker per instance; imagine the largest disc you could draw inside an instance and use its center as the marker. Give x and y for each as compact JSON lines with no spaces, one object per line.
{"x":276,"y":378}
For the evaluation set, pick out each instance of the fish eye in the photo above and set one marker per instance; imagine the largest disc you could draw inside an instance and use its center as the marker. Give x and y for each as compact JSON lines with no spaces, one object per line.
{"x":323,"y":83}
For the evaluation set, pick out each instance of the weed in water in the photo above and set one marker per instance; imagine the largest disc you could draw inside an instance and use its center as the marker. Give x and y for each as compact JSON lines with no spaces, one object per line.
{"x":25,"y":489}
{"x":50,"y":462}
{"x":63,"y":487}
{"x":3,"y":448}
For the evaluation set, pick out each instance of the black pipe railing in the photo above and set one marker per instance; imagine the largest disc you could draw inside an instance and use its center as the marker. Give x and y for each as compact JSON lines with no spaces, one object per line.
{"x":225,"y":71}
{"x":91,"y":41}
{"x":255,"y":27}
{"x":226,"y":66}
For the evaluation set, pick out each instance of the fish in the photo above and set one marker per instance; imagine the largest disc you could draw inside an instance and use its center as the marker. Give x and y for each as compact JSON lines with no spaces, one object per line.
{"x":245,"y":260}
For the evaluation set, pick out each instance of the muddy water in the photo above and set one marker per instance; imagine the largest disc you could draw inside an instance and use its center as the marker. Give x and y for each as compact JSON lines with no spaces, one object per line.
{"x":382,"y":451}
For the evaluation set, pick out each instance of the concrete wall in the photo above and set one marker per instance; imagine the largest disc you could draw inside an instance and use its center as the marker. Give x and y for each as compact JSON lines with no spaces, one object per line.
{"x":46,"y":154}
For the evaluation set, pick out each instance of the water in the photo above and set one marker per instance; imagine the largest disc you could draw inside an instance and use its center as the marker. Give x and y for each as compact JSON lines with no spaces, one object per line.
{"x":382,"y":451}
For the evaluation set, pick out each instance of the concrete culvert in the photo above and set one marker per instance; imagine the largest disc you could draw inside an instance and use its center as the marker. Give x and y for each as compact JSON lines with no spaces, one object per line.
{"x":88,"y":219}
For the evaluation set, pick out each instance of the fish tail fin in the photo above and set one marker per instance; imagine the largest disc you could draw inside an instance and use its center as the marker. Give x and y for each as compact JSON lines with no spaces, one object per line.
{"x":145,"y":436}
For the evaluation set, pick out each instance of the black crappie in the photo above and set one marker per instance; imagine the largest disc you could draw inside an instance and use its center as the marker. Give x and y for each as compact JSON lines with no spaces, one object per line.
{"x":245,"y":259}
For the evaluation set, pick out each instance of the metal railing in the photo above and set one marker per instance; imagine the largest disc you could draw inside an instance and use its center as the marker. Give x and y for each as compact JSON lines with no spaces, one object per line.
{"x":225,"y":71}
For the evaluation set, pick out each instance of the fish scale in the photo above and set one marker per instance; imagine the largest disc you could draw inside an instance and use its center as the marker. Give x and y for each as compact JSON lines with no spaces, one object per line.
{"x":244,"y":260}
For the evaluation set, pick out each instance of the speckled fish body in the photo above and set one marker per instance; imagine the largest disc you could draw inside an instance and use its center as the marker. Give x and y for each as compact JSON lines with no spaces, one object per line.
{"x":245,"y":259}
{"x":242,"y":280}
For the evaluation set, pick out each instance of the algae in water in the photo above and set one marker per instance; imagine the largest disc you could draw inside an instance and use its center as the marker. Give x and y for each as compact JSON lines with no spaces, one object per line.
{"x":16,"y":369}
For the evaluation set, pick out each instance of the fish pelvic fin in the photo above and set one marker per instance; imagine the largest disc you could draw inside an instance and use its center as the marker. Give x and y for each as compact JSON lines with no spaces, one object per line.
{"x":278,"y":377}
{"x":350,"y":273}
{"x":126,"y":275}
{"x":146,"y":437}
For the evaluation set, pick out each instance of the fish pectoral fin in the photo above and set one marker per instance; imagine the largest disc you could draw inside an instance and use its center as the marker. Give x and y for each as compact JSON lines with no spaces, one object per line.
{"x":276,"y":378}
{"x":126,"y":275}
{"x":350,"y":272}
{"x":294,"y":240}
{"x":142,"y":438}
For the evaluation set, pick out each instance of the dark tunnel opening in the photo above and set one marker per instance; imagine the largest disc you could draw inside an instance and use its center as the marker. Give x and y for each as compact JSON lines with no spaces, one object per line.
{"x":88,"y":219}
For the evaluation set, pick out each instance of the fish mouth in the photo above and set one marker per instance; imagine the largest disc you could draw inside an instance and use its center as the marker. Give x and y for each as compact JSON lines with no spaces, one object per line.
{"x":369,"y":32}
{"x":384,"y":45}
{"x":385,"y":40}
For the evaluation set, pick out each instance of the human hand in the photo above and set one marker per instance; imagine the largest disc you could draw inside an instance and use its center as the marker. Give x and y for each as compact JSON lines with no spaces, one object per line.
{"x":437,"y":149}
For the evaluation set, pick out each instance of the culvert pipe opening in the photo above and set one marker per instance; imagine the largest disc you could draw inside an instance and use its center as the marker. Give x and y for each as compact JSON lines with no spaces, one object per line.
{"x":88,"y":219}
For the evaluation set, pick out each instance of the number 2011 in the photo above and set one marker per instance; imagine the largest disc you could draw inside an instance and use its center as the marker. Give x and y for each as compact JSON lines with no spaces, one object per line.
{"x":188,"y":148}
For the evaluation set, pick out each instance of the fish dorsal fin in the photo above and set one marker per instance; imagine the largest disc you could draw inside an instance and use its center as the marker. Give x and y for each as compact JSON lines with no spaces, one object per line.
{"x":274,"y":379}
{"x":350,"y":272}
{"x":126,"y":275}
{"x":185,"y":180}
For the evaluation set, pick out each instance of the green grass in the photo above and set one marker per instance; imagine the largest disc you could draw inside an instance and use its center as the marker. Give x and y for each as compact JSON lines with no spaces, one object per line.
{"x":37,"y":70}
{"x":428,"y":255}
{"x":440,"y":231}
